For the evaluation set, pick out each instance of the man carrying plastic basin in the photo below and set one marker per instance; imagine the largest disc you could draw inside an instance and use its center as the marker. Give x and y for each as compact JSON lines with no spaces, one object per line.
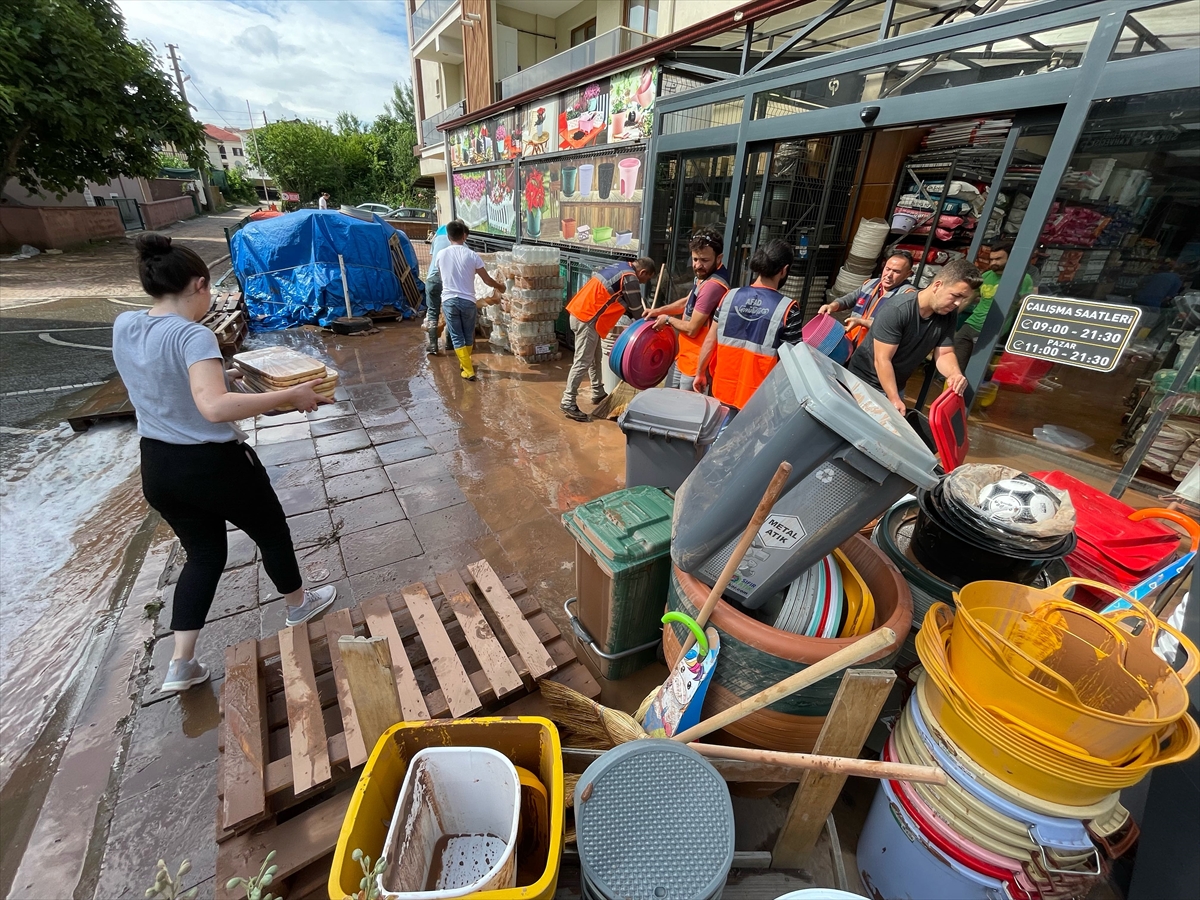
{"x":691,"y":316}
{"x":750,"y":326}
{"x":610,"y":293}
{"x":869,"y":299}
{"x":909,"y":328}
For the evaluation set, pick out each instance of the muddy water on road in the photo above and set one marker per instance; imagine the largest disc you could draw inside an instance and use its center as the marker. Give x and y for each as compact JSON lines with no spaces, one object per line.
{"x":69,"y":510}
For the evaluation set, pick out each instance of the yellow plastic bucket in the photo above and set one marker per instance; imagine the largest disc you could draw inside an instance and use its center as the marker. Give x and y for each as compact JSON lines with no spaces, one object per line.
{"x":531,"y":743}
{"x":1088,"y":680}
{"x":860,"y":603}
{"x":1027,"y":758}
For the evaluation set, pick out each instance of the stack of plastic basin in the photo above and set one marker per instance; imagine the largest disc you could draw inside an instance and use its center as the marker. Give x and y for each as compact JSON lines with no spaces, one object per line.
{"x":827,"y":335}
{"x":1117,"y":544}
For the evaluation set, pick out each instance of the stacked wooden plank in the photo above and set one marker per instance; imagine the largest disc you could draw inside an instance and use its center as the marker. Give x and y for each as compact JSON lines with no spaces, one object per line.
{"x":226,"y":318}
{"x":109,"y":401}
{"x":290,"y":737}
{"x":279,"y":368}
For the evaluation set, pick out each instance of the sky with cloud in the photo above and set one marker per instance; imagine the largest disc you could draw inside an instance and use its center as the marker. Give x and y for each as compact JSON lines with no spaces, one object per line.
{"x":309,"y":59}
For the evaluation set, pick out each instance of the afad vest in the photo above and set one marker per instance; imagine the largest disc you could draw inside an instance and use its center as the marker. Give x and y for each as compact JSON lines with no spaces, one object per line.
{"x":688,"y":359}
{"x":750,"y":321}
{"x":606,"y":296}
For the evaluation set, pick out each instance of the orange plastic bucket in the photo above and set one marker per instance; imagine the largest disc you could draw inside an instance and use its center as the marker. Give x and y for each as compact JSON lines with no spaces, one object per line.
{"x":1022,"y":755}
{"x":1091,"y":681}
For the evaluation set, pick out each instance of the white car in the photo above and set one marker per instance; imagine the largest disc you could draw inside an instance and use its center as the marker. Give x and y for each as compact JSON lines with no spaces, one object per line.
{"x":379,"y":209}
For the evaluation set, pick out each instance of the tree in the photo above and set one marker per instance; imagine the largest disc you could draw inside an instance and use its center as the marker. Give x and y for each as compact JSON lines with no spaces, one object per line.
{"x":301,"y":156}
{"x":81,"y":102}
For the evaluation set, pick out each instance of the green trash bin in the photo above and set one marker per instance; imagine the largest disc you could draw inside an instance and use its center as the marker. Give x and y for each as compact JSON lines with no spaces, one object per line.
{"x":622,"y":570}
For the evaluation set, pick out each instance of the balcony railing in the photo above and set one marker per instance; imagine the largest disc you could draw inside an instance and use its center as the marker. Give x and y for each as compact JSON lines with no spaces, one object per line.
{"x":425,"y":15}
{"x":430,"y":136}
{"x":601,"y":47}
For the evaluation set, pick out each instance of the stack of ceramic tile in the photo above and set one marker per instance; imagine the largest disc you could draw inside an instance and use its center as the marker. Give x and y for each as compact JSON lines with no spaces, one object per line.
{"x":280,"y":368}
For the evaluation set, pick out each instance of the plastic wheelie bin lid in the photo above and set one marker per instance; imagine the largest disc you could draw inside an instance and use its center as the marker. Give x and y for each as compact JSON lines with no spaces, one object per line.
{"x":625,"y":527}
{"x":675,"y":414}
{"x":847,"y":405}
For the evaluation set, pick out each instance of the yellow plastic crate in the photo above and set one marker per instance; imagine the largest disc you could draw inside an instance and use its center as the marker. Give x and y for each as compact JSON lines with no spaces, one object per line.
{"x":530,"y":742}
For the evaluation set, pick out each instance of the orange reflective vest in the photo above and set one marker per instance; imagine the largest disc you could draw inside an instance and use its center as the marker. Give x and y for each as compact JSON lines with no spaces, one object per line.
{"x":601,"y":300}
{"x":746,"y":333}
{"x":688,"y":358}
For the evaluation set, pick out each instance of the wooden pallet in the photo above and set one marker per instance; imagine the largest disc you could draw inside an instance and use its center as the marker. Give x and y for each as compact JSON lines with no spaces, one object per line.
{"x":290,"y":745}
{"x":408,"y":282}
{"x":109,"y":401}
{"x":227,"y":319}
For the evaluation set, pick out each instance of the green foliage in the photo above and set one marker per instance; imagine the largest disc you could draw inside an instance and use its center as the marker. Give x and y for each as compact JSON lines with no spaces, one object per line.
{"x":172,"y":161}
{"x":356,"y":162}
{"x":254,"y":886}
{"x":79,"y":101}
{"x":168,"y":888}
{"x":368,"y":885}
{"x":239,"y":186}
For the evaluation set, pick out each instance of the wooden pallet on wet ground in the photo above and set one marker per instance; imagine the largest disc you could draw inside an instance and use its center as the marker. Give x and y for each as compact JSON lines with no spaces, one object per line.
{"x":227,"y":319}
{"x":290,"y":740}
{"x":109,"y":401}
{"x":406,"y":276}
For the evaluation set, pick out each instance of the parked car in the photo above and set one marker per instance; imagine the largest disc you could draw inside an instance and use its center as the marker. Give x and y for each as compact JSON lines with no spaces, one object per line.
{"x":379,"y":209}
{"x":414,"y":221}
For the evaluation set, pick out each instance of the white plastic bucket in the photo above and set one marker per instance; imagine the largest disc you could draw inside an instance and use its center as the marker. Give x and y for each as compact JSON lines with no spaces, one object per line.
{"x":607,"y":375}
{"x":454,"y":830}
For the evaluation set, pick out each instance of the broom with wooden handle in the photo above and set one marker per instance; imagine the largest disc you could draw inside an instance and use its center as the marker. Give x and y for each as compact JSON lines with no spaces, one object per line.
{"x":616,"y":402}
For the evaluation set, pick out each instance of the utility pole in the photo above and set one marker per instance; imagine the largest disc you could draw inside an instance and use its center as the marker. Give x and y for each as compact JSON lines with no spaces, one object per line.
{"x":258,"y":153}
{"x":171,"y":48}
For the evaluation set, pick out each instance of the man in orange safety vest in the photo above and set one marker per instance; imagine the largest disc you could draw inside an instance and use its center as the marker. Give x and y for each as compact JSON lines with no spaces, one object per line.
{"x":751,"y":324}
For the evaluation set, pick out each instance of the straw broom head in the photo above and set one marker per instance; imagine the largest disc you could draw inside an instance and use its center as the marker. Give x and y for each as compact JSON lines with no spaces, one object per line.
{"x":595,"y":725}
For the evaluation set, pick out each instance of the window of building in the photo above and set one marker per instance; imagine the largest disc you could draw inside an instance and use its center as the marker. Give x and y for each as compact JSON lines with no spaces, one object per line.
{"x":237,"y":151}
{"x":1173,"y":26}
{"x":584,"y":32}
{"x":221,"y":150}
{"x":642,"y":15}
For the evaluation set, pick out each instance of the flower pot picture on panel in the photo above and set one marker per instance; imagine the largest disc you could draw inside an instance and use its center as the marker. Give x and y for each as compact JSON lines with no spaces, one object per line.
{"x":539,"y":126}
{"x":583,"y":117}
{"x":631,"y":100}
{"x":470,"y":198}
{"x":501,"y":201}
{"x":539,"y":207}
{"x":600,"y":200}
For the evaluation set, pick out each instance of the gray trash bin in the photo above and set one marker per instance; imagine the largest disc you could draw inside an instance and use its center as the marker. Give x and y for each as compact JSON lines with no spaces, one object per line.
{"x":667,"y":431}
{"x":852,"y":457}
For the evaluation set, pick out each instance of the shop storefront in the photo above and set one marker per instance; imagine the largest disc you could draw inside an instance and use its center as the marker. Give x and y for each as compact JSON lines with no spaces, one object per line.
{"x":1070,"y":128}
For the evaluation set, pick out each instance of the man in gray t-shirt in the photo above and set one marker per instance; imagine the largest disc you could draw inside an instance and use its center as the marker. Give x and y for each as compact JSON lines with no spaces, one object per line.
{"x":153,"y":355}
{"x":907,"y":329}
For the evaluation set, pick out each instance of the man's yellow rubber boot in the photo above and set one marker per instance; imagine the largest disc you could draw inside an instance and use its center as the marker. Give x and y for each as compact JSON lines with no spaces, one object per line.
{"x":464,"y":360}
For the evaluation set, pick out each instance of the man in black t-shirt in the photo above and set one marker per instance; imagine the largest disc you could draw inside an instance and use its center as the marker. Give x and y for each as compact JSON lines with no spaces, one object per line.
{"x":905,"y":332}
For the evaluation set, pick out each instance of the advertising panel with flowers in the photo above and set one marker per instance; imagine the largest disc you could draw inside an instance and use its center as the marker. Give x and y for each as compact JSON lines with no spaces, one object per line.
{"x":538,"y":125}
{"x":470,"y":198}
{"x":631,"y":104}
{"x":583,"y":116}
{"x":501,"y":201}
{"x":589,"y":200}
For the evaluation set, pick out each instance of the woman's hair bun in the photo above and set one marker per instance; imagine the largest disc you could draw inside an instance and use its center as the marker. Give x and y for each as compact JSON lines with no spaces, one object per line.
{"x":150,"y":244}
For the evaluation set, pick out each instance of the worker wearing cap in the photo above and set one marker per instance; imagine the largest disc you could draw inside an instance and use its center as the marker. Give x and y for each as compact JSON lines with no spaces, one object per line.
{"x":869,"y":299}
{"x":610,"y":293}
{"x":751,"y":324}
{"x":691,"y":316}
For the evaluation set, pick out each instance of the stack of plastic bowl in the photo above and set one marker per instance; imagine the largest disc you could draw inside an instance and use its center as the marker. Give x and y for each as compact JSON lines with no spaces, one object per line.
{"x":1040,"y":711}
{"x":829,"y":600}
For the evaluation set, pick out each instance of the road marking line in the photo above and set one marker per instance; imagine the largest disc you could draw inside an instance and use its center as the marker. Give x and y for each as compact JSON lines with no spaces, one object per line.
{"x":49,"y":390}
{"x":43,"y":330}
{"x":11,"y":429}
{"x":53,"y":340}
{"x":127,"y":303}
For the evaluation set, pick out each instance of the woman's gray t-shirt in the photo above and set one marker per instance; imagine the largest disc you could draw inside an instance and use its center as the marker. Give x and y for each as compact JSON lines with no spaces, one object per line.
{"x":153,"y":355}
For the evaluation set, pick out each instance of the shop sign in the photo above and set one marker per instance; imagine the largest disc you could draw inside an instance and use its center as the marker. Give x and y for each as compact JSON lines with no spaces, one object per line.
{"x":1082,"y":333}
{"x":290,"y":196}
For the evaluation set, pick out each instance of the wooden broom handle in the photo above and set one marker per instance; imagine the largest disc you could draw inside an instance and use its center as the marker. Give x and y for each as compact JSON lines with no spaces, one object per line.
{"x":862,"y":648}
{"x":836,"y":765}
{"x":657,"y":285}
{"x":765,"y":505}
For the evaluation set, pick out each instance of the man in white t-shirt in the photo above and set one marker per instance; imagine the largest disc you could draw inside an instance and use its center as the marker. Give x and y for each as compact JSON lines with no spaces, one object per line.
{"x":458,"y":265}
{"x":323,"y":201}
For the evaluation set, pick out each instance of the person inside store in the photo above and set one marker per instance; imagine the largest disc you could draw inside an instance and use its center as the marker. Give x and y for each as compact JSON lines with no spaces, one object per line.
{"x":748,"y":329}
{"x":964,"y":340}
{"x":907,"y":330}
{"x":458,"y":265}
{"x":868,"y":300}
{"x":433,"y":290}
{"x":197,"y":470}
{"x":691,"y":316}
{"x":612,"y":291}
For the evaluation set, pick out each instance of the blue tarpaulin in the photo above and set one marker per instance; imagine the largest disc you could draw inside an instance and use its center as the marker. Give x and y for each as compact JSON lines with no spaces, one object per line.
{"x":288,"y":268}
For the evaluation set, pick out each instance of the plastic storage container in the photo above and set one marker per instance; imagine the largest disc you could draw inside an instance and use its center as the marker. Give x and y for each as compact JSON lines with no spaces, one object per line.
{"x":667,"y":431}
{"x":622,"y":568}
{"x":852,"y":457}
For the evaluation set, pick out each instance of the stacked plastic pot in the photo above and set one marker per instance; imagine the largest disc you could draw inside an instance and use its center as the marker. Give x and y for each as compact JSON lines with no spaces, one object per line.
{"x":1041,"y":712}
